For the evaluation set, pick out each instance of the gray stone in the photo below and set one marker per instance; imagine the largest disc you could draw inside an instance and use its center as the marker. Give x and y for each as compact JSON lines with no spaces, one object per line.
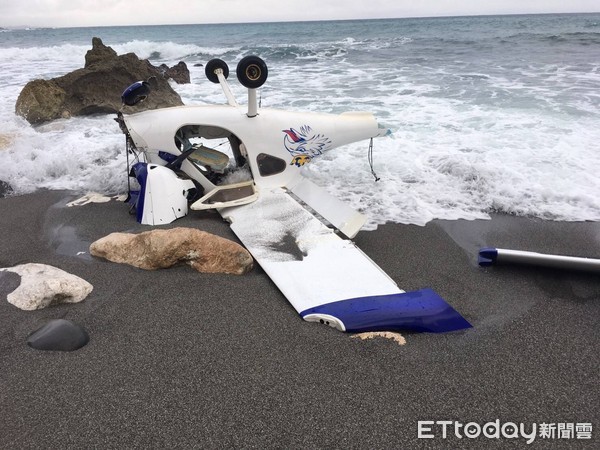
{"x":59,"y":335}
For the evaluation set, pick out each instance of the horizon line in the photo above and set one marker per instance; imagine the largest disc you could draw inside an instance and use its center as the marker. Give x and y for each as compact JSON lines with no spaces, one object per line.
{"x":441,"y":16}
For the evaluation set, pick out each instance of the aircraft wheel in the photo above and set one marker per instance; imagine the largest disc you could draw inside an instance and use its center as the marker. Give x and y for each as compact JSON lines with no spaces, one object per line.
{"x":212,"y":66}
{"x":252,"y":72}
{"x":135,"y":93}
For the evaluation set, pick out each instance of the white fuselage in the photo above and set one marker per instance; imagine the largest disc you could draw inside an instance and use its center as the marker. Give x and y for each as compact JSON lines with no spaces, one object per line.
{"x":294,"y":138}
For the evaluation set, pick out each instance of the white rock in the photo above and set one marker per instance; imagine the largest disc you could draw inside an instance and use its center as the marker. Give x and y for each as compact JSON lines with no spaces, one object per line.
{"x":43,"y":285}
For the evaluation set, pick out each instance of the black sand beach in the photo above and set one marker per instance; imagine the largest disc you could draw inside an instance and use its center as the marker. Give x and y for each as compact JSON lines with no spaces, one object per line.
{"x":178,"y":359}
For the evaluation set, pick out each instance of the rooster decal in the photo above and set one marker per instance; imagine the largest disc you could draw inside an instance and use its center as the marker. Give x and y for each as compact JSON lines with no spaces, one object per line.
{"x":304,"y":144}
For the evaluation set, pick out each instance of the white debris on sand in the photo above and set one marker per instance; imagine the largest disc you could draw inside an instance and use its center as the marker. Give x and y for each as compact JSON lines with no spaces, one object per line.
{"x":43,"y":285}
{"x":94,"y":197}
{"x":381,"y":334}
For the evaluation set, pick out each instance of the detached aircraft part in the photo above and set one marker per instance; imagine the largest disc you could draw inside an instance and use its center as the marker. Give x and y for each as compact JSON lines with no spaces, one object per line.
{"x":135,"y":93}
{"x":292,"y":227}
{"x":491,"y":256}
{"x":163,"y":196}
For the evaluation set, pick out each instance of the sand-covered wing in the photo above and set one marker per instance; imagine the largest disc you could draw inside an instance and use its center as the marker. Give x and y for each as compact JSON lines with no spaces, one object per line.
{"x":327,"y":278}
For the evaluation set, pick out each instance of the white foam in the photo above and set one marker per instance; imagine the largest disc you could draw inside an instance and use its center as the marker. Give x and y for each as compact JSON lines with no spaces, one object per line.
{"x":79,"y":154}
{"x":167,"y":51}
{"x":467,"y":141}
{"x":450,"y":160}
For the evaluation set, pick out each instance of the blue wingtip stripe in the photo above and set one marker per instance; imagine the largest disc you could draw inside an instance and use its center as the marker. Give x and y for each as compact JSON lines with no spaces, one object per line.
{"x":422,"y":310}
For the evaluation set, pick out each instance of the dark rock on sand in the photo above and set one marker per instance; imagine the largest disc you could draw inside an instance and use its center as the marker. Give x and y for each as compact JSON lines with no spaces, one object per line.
{"x":179,"y":73}
{"x":5,"y":189}
{"x":159,"y":249}
{"x":59,"y":335}
{"x":96,"y":88}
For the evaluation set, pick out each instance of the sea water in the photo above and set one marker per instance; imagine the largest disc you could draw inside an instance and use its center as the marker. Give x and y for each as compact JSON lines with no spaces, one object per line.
{"x":489,"y":114}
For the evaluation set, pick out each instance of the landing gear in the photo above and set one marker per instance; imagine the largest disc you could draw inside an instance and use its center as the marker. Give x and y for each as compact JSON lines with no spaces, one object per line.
{"x":252,"y":72}
{"x":212,"y":66}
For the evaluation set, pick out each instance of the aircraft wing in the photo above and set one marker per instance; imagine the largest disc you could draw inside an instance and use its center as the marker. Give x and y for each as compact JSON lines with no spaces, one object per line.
{"x":326,"y":278}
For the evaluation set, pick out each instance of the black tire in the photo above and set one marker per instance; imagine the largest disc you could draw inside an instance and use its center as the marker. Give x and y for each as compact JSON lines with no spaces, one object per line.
{"x":252,"y":72}
{"x":213,"y":65}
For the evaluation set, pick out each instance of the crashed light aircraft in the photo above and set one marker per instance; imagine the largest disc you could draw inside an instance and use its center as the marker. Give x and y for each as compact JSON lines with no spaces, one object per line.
{"x":298,"y":233}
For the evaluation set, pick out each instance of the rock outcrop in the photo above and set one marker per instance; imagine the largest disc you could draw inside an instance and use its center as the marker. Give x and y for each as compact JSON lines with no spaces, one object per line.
{"x":43,"y":285}
{"x":96,"y":88}
{"x":159,"y":249}
{"x":179,"y":73}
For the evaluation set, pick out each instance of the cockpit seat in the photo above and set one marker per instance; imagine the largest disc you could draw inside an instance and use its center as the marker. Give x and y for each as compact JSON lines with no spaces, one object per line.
{"x":209,"y":158}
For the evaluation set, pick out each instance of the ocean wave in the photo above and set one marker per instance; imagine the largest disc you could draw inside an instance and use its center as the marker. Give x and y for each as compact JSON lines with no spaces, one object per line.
{"x":58,"y":53}
{"x":580,"y":37}
{"x":337,"y":49}
{"x":82,"y":154}
{"x":153,"y":50}
{"x":279,"y":53}
{"x":584,"y":38}
{"x":487,"y":131}
{"x":169,"y":51}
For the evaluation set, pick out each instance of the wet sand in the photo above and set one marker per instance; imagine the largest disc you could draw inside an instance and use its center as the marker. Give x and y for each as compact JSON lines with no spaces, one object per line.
{"x":182,"y":359}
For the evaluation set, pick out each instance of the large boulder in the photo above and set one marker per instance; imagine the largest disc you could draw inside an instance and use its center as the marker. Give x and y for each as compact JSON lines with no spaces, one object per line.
{"x":96,"y":88}
{"x":42,"y":100}
{"x":159,"y":249}
{"x":43,"y":285}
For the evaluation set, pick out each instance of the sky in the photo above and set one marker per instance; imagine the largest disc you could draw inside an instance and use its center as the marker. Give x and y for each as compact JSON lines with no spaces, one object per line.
{"x":83,"y":13}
